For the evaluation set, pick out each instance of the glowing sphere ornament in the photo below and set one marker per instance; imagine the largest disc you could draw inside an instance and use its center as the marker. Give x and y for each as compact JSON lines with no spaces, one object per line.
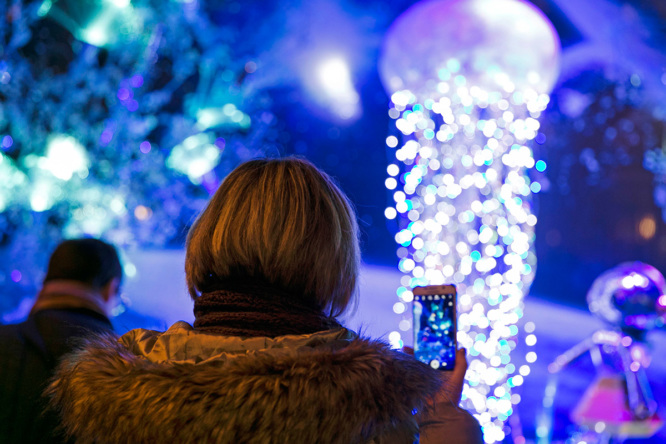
{"x":630,"y":296}
{"x":497,"y":44}
{"x":468,"y":81}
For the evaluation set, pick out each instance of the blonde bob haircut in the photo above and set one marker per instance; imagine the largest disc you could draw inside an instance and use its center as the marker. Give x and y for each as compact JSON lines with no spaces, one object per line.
{"x":281,"y":221}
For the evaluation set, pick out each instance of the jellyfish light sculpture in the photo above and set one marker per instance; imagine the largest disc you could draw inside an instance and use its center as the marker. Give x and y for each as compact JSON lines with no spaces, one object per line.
{"x":468,"y":80}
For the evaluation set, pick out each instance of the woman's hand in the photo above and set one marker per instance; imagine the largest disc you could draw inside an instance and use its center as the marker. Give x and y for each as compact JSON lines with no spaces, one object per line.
{"x":444,"y":422}
{"x":453,"y":381}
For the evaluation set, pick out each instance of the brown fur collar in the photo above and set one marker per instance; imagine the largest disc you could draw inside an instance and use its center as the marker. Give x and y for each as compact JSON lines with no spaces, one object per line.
{"x":351,"y":391}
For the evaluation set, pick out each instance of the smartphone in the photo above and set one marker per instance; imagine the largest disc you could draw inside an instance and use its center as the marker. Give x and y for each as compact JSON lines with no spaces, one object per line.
{"x":434,"y":320}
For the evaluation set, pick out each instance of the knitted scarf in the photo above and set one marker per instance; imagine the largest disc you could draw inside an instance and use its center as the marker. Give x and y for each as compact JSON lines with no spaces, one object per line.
{"x":250,"y":309}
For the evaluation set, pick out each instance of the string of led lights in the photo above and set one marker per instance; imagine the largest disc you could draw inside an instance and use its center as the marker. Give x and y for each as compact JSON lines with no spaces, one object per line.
{"x":463,"y":191}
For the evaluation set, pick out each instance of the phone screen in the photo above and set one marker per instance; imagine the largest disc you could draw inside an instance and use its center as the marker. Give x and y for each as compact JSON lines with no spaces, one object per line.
{"x":435,"y":329}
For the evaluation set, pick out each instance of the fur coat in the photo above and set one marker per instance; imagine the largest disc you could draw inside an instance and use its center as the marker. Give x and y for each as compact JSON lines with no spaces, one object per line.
{"x":186,"y":386}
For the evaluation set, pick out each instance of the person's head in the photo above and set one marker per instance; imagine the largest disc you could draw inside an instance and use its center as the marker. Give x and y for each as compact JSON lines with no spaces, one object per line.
{"x":281,"y":221}
{"x":91,"y":262}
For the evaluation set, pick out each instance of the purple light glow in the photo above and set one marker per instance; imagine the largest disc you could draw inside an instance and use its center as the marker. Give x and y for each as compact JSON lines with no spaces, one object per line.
{"x":124,"y":94}
{"x":7,"y":141}
{"x":106,"y":137}
{"x":132,"y":105}
{"x":136,"y":81}
{"x":16,"y":275}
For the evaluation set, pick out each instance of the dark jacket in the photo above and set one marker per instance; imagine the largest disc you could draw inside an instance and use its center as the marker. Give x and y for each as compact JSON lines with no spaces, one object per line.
{"x":29,"y":353}
{"x":187,"y":386}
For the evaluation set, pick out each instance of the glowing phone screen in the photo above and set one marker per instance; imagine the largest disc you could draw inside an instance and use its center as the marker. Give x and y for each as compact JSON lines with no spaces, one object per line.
{"x":435,"y":330}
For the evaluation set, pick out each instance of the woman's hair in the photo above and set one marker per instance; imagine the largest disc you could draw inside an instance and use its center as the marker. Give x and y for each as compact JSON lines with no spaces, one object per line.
{"x":282,"y":222}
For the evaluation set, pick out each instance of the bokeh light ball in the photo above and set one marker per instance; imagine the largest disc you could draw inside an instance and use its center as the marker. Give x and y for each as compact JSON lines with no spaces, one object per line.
{"x":629,"y":296}
{"x":495,"y":44}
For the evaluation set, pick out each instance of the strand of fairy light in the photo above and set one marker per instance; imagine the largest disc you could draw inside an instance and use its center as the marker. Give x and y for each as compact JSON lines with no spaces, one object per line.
{"x":462,"y":192}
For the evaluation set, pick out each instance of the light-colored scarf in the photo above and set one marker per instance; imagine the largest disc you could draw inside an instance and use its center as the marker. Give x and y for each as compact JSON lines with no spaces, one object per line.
{"x":58,"y":294}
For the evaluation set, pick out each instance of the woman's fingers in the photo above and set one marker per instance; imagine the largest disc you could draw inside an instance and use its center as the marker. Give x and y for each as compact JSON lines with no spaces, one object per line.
{"x":454,"y":380}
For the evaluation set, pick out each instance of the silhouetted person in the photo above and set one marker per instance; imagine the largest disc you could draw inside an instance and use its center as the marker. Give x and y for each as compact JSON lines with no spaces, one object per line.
{"x":78,"y":294}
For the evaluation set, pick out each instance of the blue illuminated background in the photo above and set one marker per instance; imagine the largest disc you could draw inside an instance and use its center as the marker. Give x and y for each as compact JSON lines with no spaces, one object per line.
{"x":119,"y":119}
